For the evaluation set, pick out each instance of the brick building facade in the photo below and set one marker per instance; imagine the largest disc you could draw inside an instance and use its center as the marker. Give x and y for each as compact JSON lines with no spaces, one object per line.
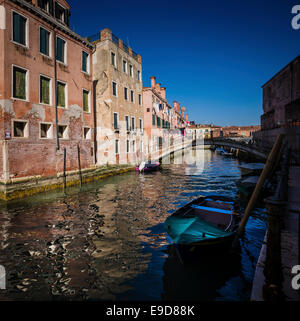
{"x":281,"y":97}
{"x":45,"y":99}
{"x":119,"y":101}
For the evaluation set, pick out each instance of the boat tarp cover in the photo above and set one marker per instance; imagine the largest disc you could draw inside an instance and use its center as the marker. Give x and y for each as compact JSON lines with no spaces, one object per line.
{"x":186,"y":230}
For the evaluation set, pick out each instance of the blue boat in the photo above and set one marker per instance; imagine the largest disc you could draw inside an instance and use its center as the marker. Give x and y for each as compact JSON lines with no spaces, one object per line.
{"x":203,"y":226}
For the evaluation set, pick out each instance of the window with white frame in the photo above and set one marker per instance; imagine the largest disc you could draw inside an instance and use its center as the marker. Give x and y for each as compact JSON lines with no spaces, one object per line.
{"x":85,"y":62}
{"x":131,"y":70}
{"x":133,"y":123}
{"x":87,"y":133}
{"x":127,"y":123}
{"x":141,"y":125}
{"x":138,"y":75}
{"x":133,"y":146}
{"x":61,"y":50}
{"x":20,"y":29}
{"x":20,"y":83}
{"x":20,"y":128}
{"x":114,"y":88}
{"x":45,"y":43}
{"x":113,"y":59}
{"x":46,"y":5}
{"x":116,"y":121}
{"x":132,"y":96}
{"x":86,"y":100}
{"x":46,"y":130}
{"x":61,"y":94}
{"x":63,"y":131}
{"x":45,"y":90}
{"x":116,"y":146}
{"x":125,"y":93}
{"x":125,"y":66}
{"x":127,"y":146}
{"x":140,"y":99}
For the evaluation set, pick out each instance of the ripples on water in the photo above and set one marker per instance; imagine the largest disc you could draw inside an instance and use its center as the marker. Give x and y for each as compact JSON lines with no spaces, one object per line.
{"x":107,"y":241}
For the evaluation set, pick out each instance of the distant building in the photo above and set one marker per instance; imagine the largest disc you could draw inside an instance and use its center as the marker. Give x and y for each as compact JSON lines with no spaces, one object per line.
{"x":281,"y":98}
{"x":119,"y":101}
{"x":33,"y":88}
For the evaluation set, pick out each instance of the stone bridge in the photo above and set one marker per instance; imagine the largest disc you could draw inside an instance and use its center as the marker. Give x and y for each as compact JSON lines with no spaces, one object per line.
{"x":242,"y":145}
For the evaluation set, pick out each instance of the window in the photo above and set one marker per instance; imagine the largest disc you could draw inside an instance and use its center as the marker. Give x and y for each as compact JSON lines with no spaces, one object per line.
{"x":130,"y":70}
{"x":113,"y":59}
{"x":117,"y":146}
{"x":141,"y":124}
{"x":19,"y":83}
{"x":133,"y":146}
{"x":86,"y":100}
{"x":61,"y":94}
{"x":44,"y":41}
{"x":148,"y":110}
{"x":20,"y":128}
{"x":125,"y":93}
{"x":84,"y":64}
{"x":116,"y":125}
{"x":153,"y":120}
{"x":141,"y":146}
{"x":139,"y":75}
{"x":132,"y":123}
{"x":59,"y":12}
{"x":45,"y":88}
{"x":63,"y":131}
{"x":87,"y":133}
{"x":19,"y":29}
{"x":125,"y":66}
{"x":127,"y":123}
{"x":127,"y":146}
{"x":46,"y":130}
{"x":140,"y":99}
{"x":46,"y":5}
{"x":60,"y":50}
{"x":158,"y":122}
{"x":131,"y":96}
{"x":114,"y":88}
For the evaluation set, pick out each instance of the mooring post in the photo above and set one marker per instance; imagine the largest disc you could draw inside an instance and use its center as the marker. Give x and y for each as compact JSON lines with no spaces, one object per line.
{"x":65,"y":158}
{"x":276,"y":206}
{"x":79,"y":166}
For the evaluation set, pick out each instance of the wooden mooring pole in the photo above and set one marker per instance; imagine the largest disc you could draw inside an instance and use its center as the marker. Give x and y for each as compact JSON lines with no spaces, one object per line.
{"x":268,"y":167}
{"x":65,"y":159}
{"x":79,"y":166}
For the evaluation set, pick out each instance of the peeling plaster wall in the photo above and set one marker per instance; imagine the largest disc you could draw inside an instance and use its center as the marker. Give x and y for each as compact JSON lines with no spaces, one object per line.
{"x":33,"y":155}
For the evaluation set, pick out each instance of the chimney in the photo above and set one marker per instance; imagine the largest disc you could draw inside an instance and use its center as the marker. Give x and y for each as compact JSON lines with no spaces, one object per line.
{"x":182,"y":111}
{"x":176,"y":106}
{"x":157,"y":87}
{"x":152,"y":81}
{"x":163,"y":92}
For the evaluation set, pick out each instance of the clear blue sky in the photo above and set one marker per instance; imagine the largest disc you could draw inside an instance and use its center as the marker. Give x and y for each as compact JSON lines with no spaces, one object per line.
{"x":213,"y":56}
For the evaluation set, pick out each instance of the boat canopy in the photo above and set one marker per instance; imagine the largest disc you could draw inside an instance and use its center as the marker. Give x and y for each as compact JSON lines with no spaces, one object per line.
{"x":186,"y":230}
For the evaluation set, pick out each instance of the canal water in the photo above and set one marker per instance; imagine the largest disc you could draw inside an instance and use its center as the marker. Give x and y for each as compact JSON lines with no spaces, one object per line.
{"x":106,"y":241}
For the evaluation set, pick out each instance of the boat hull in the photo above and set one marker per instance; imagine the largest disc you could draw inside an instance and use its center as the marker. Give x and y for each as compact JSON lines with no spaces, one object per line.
{"x":190,"y":252}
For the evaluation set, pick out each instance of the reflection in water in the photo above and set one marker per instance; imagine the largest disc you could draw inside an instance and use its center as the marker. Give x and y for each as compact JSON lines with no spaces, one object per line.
{"x":107,"y":241}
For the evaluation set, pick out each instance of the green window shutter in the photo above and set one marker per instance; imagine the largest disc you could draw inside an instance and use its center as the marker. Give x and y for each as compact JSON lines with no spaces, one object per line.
{"x":19,"y":29}
{"x":60,"y":49}
{"x":19,"y":86}
{"x":153,"y":120}
{"x":61,"y":95}
{"x":44,"y":41}
{"x":86,"y":101}
{"x":45,"y":90}
{"x":84,"y":61}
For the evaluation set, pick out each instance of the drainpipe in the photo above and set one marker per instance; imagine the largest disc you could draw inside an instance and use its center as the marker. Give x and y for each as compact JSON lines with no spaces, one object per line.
{"x":95,"y":120}
{"x":292,"y":81}
{"x":56,"y":98}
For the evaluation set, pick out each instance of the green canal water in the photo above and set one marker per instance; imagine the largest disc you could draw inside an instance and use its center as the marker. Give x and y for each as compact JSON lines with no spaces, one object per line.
{"x":106,"y":241}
